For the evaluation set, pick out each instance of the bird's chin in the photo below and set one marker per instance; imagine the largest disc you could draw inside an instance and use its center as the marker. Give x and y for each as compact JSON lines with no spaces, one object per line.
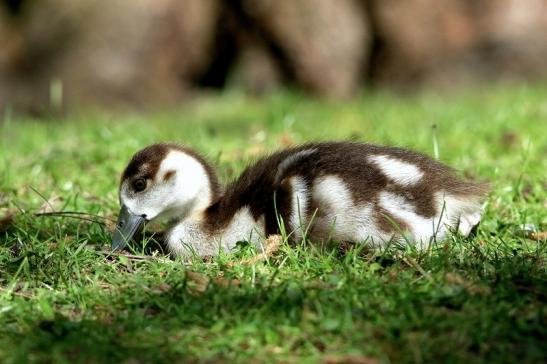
{"x":171,"y":216}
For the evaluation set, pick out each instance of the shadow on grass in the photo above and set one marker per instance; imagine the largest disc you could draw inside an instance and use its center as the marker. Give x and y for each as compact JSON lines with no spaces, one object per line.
{"x":444,"y":321}
{"x":169,"y":326}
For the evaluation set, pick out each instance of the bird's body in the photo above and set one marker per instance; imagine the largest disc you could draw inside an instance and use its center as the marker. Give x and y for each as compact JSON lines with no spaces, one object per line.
{"x":337,"y":191}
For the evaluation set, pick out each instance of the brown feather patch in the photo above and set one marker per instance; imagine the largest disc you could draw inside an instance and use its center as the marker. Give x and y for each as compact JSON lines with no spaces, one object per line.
{"x":170,"y":174}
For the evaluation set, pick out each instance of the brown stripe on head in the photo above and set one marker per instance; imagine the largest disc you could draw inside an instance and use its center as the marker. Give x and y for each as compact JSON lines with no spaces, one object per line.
{"x":146,"y":163}
{"x":168,"y":175}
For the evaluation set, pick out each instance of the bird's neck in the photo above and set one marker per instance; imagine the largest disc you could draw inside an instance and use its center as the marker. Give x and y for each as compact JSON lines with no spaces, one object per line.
{"x":207,"y":231}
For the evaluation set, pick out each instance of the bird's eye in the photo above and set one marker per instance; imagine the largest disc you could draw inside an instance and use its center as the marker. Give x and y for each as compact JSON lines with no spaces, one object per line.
{"x":139,"y":184}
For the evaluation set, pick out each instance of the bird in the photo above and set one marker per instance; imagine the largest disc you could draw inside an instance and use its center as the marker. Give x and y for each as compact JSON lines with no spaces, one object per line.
{"x":336,"y":191}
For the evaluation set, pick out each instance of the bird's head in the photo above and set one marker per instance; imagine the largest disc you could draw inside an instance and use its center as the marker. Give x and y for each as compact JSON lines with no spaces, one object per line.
{"x":162,"y":182}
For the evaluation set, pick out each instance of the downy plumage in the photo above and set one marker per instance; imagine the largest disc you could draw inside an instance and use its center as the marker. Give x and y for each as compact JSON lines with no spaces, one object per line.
{"x":337,"y":191}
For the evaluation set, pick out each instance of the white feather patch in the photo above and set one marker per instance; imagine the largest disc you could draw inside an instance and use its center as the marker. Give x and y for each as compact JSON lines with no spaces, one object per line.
{"x":422,"y":228}
{"x":468,"y":222}
{"x":339,"y":218}
{"x":188,"y":236}
{"x":400,"y":172}
{"x":463,"y":213}
{"x":452,"y":212}
{"x":299,"y":206}
{"x":291,"y":160}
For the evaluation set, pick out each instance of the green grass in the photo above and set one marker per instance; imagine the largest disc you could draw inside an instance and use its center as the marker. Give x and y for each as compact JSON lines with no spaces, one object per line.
{"x":469,"y":300}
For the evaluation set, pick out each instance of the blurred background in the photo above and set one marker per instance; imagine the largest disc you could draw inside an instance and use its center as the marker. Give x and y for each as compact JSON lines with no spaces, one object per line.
{"x":62,"y":54}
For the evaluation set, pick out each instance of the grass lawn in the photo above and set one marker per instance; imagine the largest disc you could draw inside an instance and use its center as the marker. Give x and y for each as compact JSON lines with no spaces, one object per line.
{"x":63,"y":299}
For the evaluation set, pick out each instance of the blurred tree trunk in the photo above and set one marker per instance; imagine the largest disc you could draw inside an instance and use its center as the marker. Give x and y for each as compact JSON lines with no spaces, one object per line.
{"x":109,"y":53}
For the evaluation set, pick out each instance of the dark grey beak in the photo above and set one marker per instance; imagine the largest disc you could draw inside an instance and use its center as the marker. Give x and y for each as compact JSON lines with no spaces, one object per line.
{"x":127,"y":226}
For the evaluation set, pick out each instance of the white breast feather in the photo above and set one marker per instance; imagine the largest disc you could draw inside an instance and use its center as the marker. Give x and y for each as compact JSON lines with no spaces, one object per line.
{"x":243,"y":227}
{"x":188,"y":237}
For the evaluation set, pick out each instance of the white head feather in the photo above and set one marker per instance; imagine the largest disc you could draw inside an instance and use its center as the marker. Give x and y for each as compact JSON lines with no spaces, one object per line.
{"x":180,"y":188}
